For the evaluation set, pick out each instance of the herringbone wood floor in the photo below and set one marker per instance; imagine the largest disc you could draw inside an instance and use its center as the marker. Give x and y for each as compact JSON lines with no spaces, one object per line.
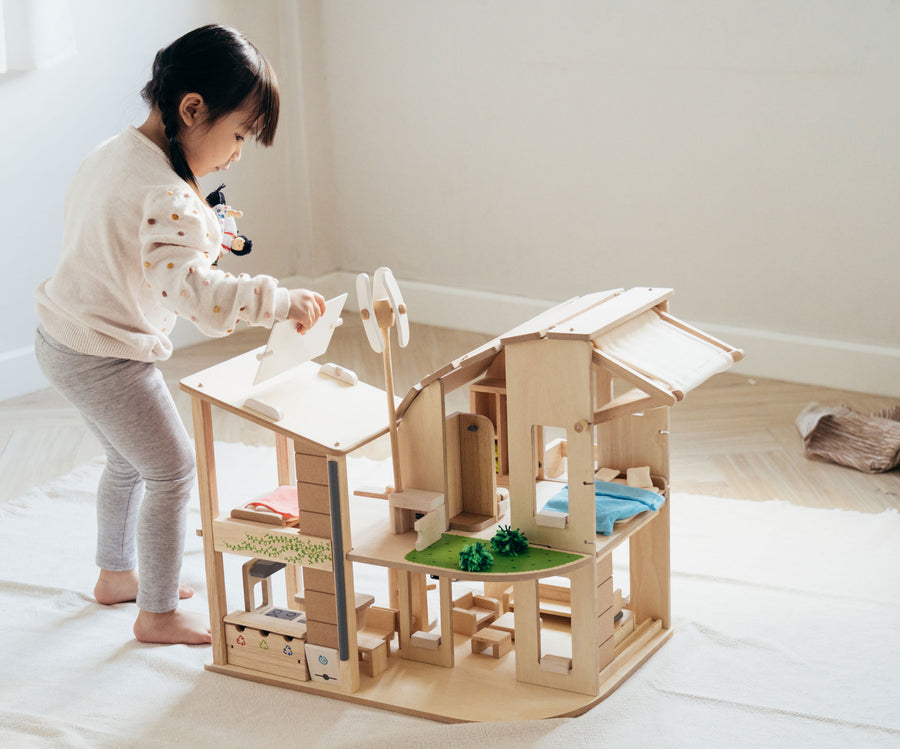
{"x":733,"y":437}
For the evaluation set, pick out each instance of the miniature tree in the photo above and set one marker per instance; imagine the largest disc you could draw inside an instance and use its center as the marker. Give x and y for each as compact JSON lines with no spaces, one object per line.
{"x":508,"y":542}
{"x":475,"y":558}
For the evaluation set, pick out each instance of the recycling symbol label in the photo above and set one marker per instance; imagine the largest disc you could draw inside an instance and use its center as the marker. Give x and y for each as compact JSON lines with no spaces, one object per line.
{"x":241,"y":640}
{"x":263,"y":645}
{"x":287,"y":650}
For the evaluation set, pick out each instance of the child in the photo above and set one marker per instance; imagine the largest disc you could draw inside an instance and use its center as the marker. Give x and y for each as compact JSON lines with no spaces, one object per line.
{"x":139,"y":241}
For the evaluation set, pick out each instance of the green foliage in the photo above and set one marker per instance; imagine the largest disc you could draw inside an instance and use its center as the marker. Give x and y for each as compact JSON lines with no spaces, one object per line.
{"x":475,"y":558}
{"x":508,"y":542}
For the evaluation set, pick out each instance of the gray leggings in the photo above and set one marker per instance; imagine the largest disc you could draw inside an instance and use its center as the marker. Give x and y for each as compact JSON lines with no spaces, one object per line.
{"x":144,"y":490}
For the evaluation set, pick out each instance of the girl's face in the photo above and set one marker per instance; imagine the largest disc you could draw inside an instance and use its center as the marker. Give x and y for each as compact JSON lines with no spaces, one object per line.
{"x":212,"y":148}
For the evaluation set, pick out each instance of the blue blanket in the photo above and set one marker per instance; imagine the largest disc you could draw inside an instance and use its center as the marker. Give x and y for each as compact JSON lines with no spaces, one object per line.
{"x":613,"y":502}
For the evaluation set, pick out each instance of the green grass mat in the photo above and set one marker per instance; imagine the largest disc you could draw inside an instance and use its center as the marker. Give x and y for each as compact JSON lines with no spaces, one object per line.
{"x":445,"y":553}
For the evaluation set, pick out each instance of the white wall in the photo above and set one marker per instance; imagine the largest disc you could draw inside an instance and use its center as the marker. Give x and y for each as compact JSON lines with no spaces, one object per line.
{"x":51,"y":118}
{"x":743,"y":152}
{"x":500,"y":155}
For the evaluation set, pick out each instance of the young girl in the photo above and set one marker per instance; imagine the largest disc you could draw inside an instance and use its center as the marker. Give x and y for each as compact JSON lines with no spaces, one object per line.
{"x":138,"y":246}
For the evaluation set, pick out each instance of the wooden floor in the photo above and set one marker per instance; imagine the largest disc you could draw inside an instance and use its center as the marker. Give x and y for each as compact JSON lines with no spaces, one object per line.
{"x":733,"y":437}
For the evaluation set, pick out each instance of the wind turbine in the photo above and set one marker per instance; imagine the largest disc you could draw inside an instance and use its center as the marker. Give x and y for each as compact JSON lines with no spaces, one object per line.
{"x":381,"y":307}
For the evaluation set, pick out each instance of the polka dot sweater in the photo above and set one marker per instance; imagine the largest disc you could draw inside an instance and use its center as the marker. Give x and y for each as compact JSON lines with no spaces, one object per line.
{"x":138,"y":248}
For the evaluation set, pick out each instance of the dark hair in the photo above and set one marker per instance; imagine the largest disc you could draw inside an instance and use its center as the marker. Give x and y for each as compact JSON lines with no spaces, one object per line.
{"x":218,"y":63}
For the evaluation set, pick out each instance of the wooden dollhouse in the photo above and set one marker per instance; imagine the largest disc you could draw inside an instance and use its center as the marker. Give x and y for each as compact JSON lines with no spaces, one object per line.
{"x":577,"y":394}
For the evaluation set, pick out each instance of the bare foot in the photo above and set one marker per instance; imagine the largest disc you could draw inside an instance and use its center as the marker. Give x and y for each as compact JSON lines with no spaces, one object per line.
{"x":172,"y":628}
{"x":121,"y":587}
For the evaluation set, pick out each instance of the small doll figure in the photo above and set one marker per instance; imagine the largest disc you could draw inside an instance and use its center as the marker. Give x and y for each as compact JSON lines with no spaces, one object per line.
{"x":232,"y":242}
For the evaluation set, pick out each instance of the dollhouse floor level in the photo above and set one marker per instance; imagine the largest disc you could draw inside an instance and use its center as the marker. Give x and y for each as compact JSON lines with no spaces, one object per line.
{"x":469,"y":692}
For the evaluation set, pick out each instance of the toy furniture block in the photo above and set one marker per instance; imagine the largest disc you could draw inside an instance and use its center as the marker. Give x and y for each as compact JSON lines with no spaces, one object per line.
{"x":639,"y":477}
{"x":373,"y":654}
{"x":506,"y":623}
{"x":382,"y":623}
{"x":267,"y":644}
{"x":426,"y":640}
{"x":417,"y":500}
{"x":552,"y":518}
{"x":498,"y":642}
{"x":606,"y":474}
{"x":472,"y":612}
{"x":556,"y":664}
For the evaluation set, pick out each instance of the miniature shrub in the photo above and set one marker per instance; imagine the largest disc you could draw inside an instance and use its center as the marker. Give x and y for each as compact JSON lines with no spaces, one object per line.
{"x":508,"y":542}
{"x":475,"y":558}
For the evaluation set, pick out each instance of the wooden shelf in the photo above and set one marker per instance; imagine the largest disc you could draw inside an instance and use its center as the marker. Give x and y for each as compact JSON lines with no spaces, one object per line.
{"x":278,"y":544}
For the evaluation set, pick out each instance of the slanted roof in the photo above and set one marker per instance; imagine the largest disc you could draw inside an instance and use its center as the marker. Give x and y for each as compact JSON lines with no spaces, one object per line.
{"x":633,"y":337}
{"x":669,"y":352}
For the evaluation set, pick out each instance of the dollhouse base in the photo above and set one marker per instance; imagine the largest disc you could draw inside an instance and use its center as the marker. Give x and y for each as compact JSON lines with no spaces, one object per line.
{"x":468,"y":692}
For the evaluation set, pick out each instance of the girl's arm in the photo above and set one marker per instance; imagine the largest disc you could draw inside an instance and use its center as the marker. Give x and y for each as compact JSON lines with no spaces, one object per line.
{"x":179,"y":242}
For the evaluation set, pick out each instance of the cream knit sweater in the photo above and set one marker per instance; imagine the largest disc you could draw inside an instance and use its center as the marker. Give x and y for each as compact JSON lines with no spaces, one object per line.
{"x":138,"y":248}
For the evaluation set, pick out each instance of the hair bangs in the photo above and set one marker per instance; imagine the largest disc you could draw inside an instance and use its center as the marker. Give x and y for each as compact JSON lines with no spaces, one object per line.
{"x":263,"y":105}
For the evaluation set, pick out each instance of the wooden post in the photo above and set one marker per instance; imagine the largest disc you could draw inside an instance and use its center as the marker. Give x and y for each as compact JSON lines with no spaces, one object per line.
{"x":287,"y":476}
{"x":384,"y":315}
{"x":209,"y":511}
{"x":345,"y":595}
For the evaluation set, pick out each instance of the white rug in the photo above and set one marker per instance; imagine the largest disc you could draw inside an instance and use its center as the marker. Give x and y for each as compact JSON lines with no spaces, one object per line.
{"x":787,"y":634}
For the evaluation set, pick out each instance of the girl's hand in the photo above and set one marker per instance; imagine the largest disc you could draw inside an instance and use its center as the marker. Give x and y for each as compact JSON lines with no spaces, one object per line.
{"x":306,"y":308}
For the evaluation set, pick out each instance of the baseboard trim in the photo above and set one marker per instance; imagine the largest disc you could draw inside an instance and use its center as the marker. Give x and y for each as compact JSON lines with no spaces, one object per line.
{"x":813,"y":361}
{"x":793,"y":358}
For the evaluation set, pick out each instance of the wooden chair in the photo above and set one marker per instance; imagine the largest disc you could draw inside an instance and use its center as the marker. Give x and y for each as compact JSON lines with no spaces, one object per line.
{"x":382,"y":623}
{"x":472,"y":612}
